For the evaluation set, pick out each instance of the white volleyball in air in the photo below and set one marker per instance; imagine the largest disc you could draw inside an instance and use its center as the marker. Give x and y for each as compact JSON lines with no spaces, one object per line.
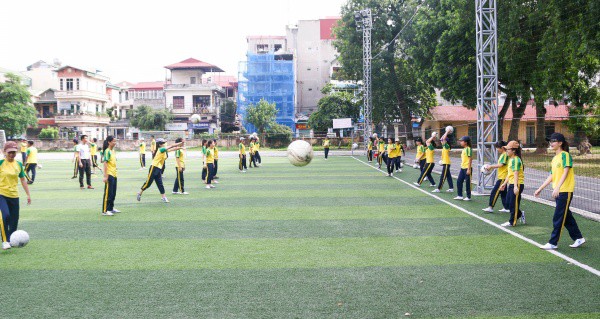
{"x":300,"y":153}
{"x":433,"y":134}
{"x":354,"y":146}
{"x":449,"y":129}
{"x":374,"y":134}
{"x":195,"y":118}
{"x":19,"y":238}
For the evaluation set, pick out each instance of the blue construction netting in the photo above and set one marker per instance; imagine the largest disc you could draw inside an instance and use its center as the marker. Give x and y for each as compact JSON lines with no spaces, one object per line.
{"x":263,"y":76}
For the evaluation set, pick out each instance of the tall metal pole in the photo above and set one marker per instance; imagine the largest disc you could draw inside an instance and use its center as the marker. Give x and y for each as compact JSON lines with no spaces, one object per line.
{"x":487,"y":89}
{"x":368,"y":109}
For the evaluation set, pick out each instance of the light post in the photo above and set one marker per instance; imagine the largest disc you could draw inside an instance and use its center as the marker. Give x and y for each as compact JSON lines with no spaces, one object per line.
{"x":364,"y":23}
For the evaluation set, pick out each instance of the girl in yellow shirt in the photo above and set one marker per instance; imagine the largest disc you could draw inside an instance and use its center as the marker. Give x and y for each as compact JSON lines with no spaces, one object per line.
{"x":445,"y":161}
{"x":514,"y":179}
{"x":110,"y":176}
{"x":420,"y":158}
{"x":501,"y":175}
{"x":390,"y":149}
{"x":464,"y":176}
{"x":429,"y":162}
{"x":380,"y":151}
{"x":11,"y":171}
{"x":562,"y":178}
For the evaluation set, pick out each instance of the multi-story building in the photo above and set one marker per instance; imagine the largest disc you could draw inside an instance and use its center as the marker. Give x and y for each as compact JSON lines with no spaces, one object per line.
{"x":148,"y":93}
{"x":43,"y":76}
{"x":311,"y":42}
{"x":189,"y":92}
{"x":267,"y":74}
{"x":82,"y":100}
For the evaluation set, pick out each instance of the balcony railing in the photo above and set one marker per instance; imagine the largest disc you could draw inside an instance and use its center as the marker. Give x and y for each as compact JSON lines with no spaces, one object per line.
{"x":211,"y":86}
{"x":81,"y":94}
{"x":82,"y":118}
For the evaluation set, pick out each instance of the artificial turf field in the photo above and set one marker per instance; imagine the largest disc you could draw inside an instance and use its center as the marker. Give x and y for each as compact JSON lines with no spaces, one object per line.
{"x":334,"y":239}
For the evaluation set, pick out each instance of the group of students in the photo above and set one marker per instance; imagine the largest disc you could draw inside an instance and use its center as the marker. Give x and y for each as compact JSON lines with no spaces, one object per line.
{"x":253,"y":149}
{"x":390,"y":153}
{"x":85,"y":158}
{"x":510,"y":183}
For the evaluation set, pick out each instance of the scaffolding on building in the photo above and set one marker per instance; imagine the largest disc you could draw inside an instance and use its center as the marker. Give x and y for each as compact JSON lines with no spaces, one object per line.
{"x":270,"y":77}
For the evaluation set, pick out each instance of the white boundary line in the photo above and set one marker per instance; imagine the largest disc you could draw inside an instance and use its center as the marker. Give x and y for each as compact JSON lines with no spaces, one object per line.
{"x":487,"y":221}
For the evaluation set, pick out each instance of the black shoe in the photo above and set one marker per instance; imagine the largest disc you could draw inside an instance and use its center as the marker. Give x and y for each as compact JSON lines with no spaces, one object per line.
{"x":29,"y":182}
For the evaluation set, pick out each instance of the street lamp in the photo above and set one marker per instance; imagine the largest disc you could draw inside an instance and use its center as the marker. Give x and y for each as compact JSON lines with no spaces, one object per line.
{"x":364,"y":23}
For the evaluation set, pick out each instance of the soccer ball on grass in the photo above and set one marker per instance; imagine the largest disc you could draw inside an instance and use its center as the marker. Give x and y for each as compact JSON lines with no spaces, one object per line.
{"x":18,"y":239}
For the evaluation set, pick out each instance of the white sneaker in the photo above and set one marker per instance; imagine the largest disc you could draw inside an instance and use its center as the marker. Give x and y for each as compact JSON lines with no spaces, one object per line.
{"x":184,"y":193}
{"x":108,"y":213}
{"x":458,"y":198}
{"x":548,"y":246}
{"x":467,"y":199}
{"x":139,"y":197}
{"x":116,"y":210}
{"x":522,"y":218}
{"x":391,"y":174}
{"x":400,"y":170}
{"x":417,"y":184}
{"x":432,"y":185}
{"x":212,"y":186}
{"x":175,"y":193}
{"x":450,"y":190}
{"x":488,"y":210}
{"x":435,"y":191}
{"x":506,"y":224}
{"x":208,"y":187}
{"x":504,"y":210}
{"x":244,"y":171}
{"x":165,"y":200}
{"x":216,"y":182}
{"x":6,"y":245}
{"x":578,"y":243}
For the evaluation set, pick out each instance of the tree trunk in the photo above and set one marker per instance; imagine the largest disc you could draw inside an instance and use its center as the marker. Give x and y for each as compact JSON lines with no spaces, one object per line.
{"x":518,"y":111}
{"x":540,"y":123}
{"x":404,"y":111}
{"x":501,"y":116}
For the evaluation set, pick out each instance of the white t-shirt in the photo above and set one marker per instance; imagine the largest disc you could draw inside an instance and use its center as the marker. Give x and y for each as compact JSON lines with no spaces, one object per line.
{"x":84,"y":151}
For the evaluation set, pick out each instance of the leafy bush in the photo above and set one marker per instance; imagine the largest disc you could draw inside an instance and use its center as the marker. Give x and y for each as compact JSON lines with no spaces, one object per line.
{"x":50,"y":133}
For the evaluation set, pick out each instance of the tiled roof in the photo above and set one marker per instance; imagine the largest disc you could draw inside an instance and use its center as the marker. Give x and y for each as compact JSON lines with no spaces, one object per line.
{"x":157,"y":85}
{"x":192,"y":63}
{"x":461,"y":113}
{"x":226,"y":81}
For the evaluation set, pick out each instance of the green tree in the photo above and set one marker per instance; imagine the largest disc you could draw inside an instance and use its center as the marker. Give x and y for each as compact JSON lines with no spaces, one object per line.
{"x":332,"y":106}
{"x":49,"y":133}
{"x":16,"y":111}
{"x":398,"y":89}
{"x":228,"y":112}
{"x":261,"y":115}
{"x":146,"y":118}
{"x":278,"y":134}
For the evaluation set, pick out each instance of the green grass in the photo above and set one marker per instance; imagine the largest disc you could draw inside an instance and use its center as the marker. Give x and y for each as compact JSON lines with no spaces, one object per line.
{"x":335,"y":239}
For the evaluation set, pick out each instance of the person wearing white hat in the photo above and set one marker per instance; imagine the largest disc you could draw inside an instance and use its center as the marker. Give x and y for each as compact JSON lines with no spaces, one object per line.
{"x":11,"y":171}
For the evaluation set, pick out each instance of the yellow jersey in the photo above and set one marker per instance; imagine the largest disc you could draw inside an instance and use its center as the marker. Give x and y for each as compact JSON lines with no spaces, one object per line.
{"x":326,"y":143}
{"x":180,"y":154}
{"x":446,"y":154}
{"x":381,"y":147}
{"x":142,"y":147}
{"x":153,"y":145}
{"x":160,"y":158}
{"x":216,"y":153}
{"x":370,"y":146}
{"x":10,"y":172}
{"x":210,"y":156}
{"x":465,"y":156}
{"x":391,"y":150}
{"x":24,"y":147}
{"x":429,"y":154}
{"x":515,"y":165}
{"x":559,"y":163}
{"x":32,"y":155}
{"x":242,"y":149}
{"x":502,"y":170}
{"x":251,"y":147}
{"x":93,"y":149}
{"x":256,"y":147}
{"x":399,"y":149}
{"x":110,"y":158}
{"x":420,"y":153}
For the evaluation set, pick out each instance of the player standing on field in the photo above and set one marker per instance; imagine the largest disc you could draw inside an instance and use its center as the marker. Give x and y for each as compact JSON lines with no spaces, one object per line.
{"x":514,"y":179}
{"x":464,"y":176}
{"x":179,"y":186}
{"x":155,"y":174}
{"x":501,"y":175}
{"x":110,"y":176}
{"x":562,"y":178}
{"x":31,"y":161}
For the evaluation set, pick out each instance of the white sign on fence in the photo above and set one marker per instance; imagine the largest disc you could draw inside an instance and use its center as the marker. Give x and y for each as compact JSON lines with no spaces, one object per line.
{"x":342,"y":123}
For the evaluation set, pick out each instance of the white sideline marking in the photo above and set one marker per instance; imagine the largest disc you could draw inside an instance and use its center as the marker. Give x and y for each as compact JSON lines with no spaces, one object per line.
{"x":554,"y":252}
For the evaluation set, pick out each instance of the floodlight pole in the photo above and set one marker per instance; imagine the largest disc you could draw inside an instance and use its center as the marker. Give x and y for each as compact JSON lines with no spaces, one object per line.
{"x":487,"y":89}
{"x":364,"y":21}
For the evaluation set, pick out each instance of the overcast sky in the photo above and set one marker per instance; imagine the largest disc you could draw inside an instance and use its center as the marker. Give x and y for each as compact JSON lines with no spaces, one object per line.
{"x":134,"y":40}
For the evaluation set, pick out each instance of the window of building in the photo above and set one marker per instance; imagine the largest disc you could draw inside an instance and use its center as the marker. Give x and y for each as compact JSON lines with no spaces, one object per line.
{"x":472,"y":133}
{"x":69,"y":84}
{"x":178,"y":102}
{"x":61,"y":84}
{"x":77,"y":84}
{"x":193,"y":80}
{"x":530,"y":134}
{"x":549,"y":128}
{"x":277,"y":47}
{"x":262,"y":48}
